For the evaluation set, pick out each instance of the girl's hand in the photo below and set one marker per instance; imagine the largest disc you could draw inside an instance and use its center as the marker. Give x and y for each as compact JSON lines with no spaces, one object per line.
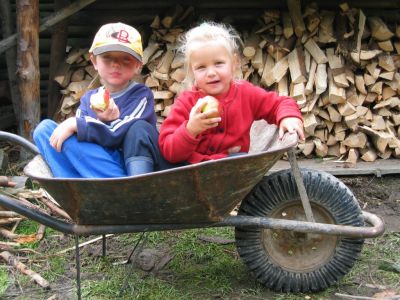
{"x":198,"y":121}
{"x":291,"y":125}
{"x":110,"y":114}
{"x":62,"y":132}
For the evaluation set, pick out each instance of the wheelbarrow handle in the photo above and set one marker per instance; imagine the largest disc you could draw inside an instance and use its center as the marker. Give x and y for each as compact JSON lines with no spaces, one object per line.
{"x":16,"y":139}
{"x":77,"y":229}
{"x":376,"y":229}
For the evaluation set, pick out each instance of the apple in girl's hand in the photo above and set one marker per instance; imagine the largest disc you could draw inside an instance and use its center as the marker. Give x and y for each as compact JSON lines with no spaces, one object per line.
{"x":211,"y":103}
{"x":100,"y":102}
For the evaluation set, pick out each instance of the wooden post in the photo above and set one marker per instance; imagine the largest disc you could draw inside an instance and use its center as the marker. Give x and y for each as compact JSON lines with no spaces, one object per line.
{"x":28,"y":65}
{"x":7,"y":25}
{"x":57,"y":54}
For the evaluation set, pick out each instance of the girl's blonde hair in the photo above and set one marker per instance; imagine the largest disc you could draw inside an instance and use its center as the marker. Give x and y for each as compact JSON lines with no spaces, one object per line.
{"x":210,"y":32}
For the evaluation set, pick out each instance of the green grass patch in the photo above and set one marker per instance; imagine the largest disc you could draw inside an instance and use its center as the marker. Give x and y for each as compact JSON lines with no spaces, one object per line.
{"x":55,"y":269}
{"x":27,"y":227}
{"x":4,"y":281}
{"x":384,"y":249}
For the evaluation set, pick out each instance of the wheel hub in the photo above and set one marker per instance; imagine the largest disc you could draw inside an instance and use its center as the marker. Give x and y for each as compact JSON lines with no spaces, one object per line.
{"x":296,"y":251}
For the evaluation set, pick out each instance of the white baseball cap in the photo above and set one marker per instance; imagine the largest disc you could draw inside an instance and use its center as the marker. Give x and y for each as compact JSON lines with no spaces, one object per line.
{"x":118,"y":37}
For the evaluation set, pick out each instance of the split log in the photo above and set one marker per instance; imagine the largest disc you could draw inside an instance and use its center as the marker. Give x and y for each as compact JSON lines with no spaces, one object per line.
{"x":294,"y":7}
{"x":326,"y":33}
{"x":379,"y":30}
{"x":316,"y":52}
{"x":297,"y":66}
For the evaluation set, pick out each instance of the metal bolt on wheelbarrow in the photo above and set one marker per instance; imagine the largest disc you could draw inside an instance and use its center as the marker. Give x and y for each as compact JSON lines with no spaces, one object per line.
{"x":297,"y":230}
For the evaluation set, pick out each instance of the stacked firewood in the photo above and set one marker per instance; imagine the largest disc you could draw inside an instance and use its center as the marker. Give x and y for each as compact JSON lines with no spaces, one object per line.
{"x":75,"y":76}
{"x":344,"y":78}
{"x":340,"y":66}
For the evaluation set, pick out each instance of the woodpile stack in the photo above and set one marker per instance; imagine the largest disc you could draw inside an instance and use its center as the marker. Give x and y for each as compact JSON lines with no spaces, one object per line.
{"x":75,"y":76}
{"x":341,"y":67}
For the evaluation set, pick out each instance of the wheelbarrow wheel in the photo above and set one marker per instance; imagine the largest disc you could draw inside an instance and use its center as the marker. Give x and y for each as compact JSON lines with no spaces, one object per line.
{"x":288,"y":261}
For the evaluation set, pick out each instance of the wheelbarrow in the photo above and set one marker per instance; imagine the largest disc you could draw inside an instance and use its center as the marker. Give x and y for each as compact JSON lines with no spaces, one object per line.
{"x":297,"y":230}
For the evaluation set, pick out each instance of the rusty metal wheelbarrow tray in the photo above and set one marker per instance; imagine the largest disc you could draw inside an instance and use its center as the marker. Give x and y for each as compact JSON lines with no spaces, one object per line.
{"x":190,"y":196}
{"x":201,"y":193}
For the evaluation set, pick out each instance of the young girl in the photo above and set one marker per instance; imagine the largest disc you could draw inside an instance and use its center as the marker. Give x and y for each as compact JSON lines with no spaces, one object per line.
{"x":212,"y":59}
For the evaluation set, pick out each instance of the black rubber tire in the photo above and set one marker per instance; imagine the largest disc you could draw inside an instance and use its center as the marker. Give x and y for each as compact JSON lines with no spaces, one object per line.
{"x":327,"y":195}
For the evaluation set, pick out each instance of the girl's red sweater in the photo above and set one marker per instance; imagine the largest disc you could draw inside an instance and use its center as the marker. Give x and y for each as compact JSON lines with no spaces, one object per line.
{"x":243,"y":104}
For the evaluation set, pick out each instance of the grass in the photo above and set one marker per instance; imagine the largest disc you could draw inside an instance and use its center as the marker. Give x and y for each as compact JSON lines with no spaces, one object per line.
{"x":369,"y":267}
{"x":4,"y":282}
{"x":198,"y":269}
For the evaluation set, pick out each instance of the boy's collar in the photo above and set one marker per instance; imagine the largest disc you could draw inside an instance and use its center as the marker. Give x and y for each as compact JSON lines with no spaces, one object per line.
{"x":123,"y":91}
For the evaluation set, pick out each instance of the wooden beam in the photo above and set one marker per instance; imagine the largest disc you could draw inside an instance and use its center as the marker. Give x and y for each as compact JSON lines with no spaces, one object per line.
{"x":49,"y":21}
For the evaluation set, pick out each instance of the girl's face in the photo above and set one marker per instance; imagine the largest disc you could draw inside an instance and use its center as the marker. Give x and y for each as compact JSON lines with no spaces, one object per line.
{"x":116,"y":69}
{"x":213,"y":68}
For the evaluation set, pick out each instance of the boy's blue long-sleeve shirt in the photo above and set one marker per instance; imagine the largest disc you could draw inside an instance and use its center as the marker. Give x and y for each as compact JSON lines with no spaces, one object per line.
{"x":136,"y":102}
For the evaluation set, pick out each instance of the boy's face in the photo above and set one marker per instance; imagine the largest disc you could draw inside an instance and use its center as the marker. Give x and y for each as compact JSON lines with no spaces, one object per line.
{"x":116,"y":69}
{"x":213,"y":68}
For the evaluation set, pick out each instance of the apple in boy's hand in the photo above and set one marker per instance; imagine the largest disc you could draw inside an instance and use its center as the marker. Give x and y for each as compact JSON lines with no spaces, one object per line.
{"x":211,"y":103}
{"x":100,"y":102}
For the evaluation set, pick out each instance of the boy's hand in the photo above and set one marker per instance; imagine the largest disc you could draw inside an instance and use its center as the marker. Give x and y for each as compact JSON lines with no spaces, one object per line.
{"x":291,"y":125}
{"x":110,"y":114}
{"x":62,"y":132}
{"x":198,"y":121}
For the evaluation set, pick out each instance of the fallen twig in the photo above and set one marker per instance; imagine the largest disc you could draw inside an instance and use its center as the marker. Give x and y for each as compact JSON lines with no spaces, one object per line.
{"x":7,"y":234}
{"x":23,"y":238}
{"x":31,"y":205}
{"x":4,"y":247}
{"x":54,"y":208}
{"x":376,"y":286}
{"x":9,"y":244}
{"x":26,"y":202}
{"x":9,"y":214}
{"x":11,"y":260}
{"x":395,"y":297}
{"x":40,"y":232}
{"x":84,"y":244}
{"x":15,"y":226}
{"x":5,"y":182}
{"x":9,"y":220}
{"x":216,"y":240}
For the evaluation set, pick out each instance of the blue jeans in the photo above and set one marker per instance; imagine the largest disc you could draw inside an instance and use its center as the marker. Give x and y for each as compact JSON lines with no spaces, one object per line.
{"x":141,"y":144}
{"x":90,"y":160}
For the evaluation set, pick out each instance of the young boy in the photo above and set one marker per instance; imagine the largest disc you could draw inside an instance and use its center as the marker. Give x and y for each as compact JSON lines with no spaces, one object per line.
{"x":118,"y":138}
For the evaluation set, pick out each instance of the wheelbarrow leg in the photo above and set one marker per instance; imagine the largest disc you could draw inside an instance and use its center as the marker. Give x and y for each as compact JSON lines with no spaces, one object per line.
{"x":300,"y":186}
{"x":78,"y":268}
{"x":136,"y":250}
{"x":104,"y":245}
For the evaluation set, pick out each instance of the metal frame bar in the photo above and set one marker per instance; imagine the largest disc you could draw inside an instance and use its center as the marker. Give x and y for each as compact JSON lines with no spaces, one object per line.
{"x":236,"y":221}
{"x":305,"y":201}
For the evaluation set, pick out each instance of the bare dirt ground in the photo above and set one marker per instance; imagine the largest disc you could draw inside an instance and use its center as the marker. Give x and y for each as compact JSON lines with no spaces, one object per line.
{"x":378,"y":195}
